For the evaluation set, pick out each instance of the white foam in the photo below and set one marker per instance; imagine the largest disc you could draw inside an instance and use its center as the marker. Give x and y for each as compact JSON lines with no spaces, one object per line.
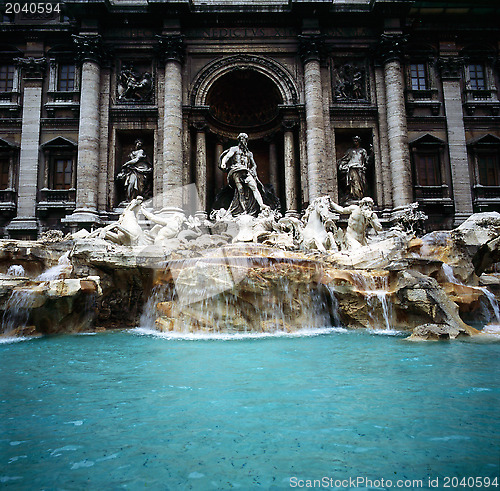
{"x":492,"y":329}
{"x":386,"y":332}
{"x":237,"y":336}
{"x":4,"y":479}
{"x":450,"y":438}
{"x":14,"y":339}
{"x":83,"y":463}
{"x":196,"y":475}
{"x":67,"y":448}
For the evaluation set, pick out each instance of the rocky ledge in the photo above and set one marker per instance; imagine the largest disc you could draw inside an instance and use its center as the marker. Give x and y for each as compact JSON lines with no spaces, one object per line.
{"x":432,"y":287}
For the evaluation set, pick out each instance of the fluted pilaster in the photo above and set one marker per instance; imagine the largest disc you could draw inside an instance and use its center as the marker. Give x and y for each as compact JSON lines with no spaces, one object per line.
{"x":451,"y":68}
{"x":33,"y":70}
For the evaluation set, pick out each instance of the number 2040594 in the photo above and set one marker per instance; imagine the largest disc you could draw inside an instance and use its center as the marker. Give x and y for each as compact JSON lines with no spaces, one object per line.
{"x":470,"y":482}
{"x":32,"y":8}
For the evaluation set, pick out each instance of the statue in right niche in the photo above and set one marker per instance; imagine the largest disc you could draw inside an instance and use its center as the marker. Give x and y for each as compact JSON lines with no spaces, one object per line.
{"x":352,"y":169}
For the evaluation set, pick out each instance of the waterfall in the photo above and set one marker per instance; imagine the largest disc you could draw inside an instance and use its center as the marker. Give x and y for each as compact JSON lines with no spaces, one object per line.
{"x":53,"y":273}
{"x":21,"y":301}
{"x":240,"y":289}
{"x":376,"y":290}
{"x":16,"y":270}
{"x":17,"y":310}
{"x":448,"y":272}
{"x":332,"y":305}
{"x":450,"y":276}
{"x":493,"y":302}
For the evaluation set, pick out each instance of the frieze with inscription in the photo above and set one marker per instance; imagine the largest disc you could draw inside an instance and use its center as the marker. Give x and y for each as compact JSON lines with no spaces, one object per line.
{"x":241,"y":32}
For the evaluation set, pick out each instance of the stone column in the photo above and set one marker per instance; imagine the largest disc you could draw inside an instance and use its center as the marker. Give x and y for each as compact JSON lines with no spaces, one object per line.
{"x":87,"y":167}
{"x":172,"y":51}
{"x":451,"y":69}
{"x":273,"y":167}
{"x":384,"y":190}
{"x":310,"y":51}
{"x":219,"y":175}
{"x":290,"y":171}
{"x":397,"y":132}
{"x":25,"y":224}
{"x":201,"y":172}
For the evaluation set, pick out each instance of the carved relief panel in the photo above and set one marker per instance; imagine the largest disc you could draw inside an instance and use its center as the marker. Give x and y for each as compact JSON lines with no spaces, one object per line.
{"x":134,"y":82}
{"x":350,"y":81}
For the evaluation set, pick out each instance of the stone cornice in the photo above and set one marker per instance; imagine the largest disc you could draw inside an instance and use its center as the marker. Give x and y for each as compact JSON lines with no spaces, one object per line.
{"x":32,"y":68}
{"x":88,"y":47}
{"x":171,"y":47}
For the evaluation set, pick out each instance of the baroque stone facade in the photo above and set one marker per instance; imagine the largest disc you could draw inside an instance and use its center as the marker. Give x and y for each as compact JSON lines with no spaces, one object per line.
{"x":79,"y":87}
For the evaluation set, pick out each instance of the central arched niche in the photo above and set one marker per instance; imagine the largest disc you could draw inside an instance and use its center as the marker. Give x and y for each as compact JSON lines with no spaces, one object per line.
{"x":244,"y":99}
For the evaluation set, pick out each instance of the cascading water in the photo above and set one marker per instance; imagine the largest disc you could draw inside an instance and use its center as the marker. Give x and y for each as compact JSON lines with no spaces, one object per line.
{"x":239,"y":289}
{"x":376,"y":290}
{"x":53,"y":273}
{"x":450,"y":276}
{"x":493,"y":302}
{"x":18,"y":307}
{"x":16,"y":270}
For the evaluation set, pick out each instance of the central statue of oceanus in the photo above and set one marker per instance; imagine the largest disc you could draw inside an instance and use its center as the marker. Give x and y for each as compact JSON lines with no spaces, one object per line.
{"x":249,"y":195}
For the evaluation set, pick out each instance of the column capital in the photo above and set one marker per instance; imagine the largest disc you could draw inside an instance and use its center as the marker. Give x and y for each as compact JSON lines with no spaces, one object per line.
{"x":311,"y":47}
{"x":199,"y":126}
{"x":171,"y":47}
{"x":450,"y":67}
{"x":391,"y":46}
{"x":289,"y":124}
{"x":32,"y":68}
{"x":89,"y":47}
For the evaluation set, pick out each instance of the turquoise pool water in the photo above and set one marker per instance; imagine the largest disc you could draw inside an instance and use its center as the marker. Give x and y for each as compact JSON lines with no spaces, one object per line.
{"x":129,"y":410}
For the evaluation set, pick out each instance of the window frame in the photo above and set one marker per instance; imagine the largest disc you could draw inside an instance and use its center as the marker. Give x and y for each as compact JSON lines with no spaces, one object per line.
{"x":437,"y":192}
{"x":418,"y":78}
{"x":487,"y":152}
{"x":55,"y":159}
{"x":472,"y":68}
{"x":7,"y":79}
{"x":424,"y":155}
{"x":5,"y":165}
{"x":60,"y":79}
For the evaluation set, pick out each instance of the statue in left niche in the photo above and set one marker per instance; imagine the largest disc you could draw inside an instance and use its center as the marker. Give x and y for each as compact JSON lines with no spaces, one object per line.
{"x":136,"y":174}
{"x":133,"y":87}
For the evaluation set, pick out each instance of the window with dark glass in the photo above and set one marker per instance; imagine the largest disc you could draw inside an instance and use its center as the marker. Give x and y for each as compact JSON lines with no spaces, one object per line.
{"x":418,"y":76}
{"x":62,"y":173}
{"x":477,"y":77}
{"x":428,"y":173}
{"x":488,"y":169}
{"x":7,"y":73}
{"x":66,"y":78}
{"x":4,"y":173}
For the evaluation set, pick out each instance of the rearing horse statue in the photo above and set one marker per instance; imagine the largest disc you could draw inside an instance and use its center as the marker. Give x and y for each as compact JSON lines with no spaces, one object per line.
{"x":318,"y":226}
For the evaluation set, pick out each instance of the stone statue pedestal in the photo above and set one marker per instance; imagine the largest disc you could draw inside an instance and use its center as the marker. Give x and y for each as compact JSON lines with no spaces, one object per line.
{"x":171,"y":210}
